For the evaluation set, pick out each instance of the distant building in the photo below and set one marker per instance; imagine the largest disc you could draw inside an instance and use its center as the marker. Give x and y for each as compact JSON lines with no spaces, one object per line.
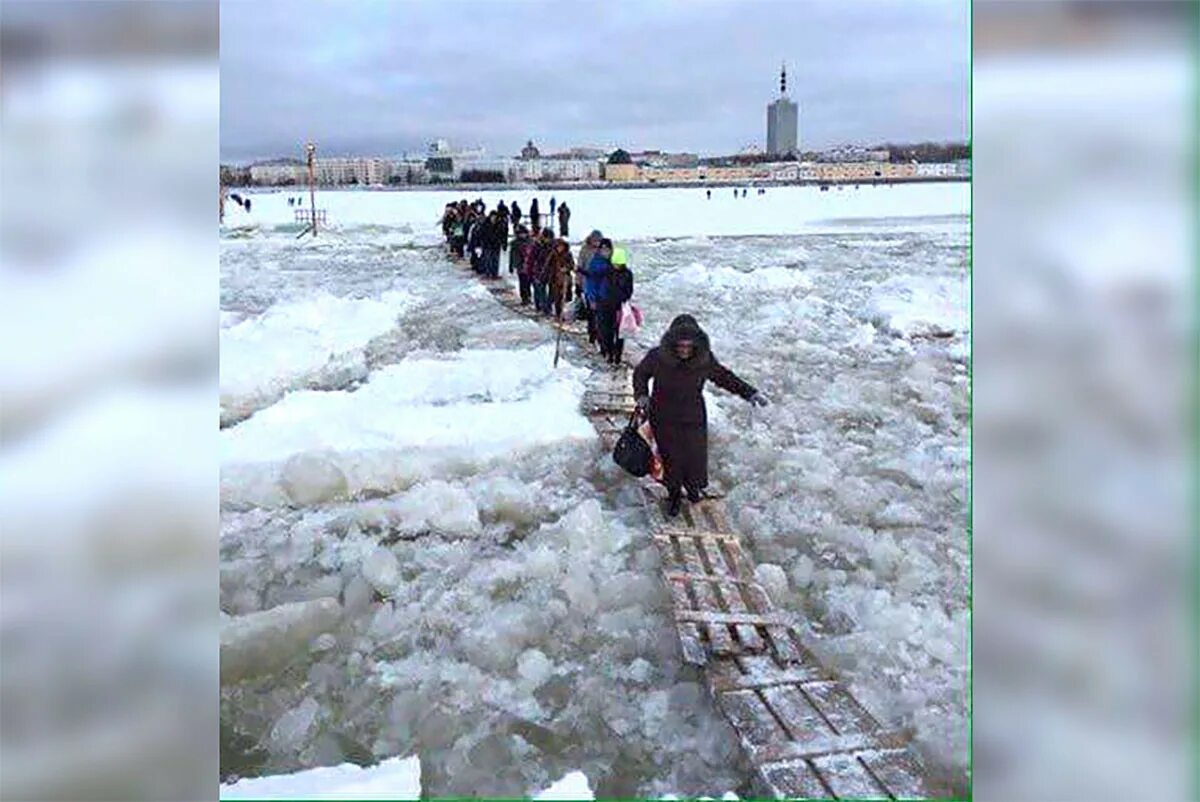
{"x":278,"y":172}
{"x":782,"y":122}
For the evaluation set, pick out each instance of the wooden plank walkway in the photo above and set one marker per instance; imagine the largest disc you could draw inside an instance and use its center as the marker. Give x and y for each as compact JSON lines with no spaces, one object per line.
{"x":799,"y":727}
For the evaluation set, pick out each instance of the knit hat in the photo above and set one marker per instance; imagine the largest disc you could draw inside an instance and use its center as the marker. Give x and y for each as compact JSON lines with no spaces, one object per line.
{"x":619,"y":257}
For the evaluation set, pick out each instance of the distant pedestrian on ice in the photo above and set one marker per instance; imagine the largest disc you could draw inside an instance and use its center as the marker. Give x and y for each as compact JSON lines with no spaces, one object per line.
{"x":678,"y":367}
{"x":552,"y":206}
{"x":709,"y":193}
{"x":535,"y":217}
{"x":564,"y":217}
{"x":516,"y":215}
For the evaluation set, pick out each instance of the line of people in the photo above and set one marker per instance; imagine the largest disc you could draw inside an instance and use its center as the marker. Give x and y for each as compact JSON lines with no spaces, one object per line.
{"x":548,"y":276}
{"x":668,"y":383}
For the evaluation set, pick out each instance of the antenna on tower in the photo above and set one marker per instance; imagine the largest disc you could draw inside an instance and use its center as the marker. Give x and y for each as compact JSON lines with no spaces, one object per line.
{"x":783,"y":78}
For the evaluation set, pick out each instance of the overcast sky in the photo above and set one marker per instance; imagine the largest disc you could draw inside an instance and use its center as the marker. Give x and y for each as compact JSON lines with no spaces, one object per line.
{"x":386,"y":77}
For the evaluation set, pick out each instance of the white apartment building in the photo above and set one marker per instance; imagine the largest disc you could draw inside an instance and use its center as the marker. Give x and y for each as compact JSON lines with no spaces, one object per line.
{"x":277,"y":173}
{"x":339,"y":171}
{"x":936,"y":169}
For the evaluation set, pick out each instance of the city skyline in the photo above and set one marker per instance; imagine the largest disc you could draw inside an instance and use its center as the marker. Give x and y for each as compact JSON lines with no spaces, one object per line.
{"x":380,"y":80}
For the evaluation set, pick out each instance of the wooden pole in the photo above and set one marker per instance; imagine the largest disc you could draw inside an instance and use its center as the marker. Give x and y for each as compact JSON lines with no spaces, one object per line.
{"x":311,"y":149}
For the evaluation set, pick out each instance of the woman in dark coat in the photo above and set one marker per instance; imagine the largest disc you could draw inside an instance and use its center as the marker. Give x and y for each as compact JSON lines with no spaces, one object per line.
{"x":679,"y":366}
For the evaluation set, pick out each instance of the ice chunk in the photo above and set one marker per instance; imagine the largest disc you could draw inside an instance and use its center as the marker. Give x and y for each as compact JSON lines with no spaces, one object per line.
{"x":773,"y":580}
{"x":324,"y":643}
{"x":295,"y":727}
{"x":534,"y":666}
{"x":640,"y":671}
{"x":265,"y":642}
{"x":397,"y":778}
{"x":381,"y":570}
{"x":312,"y":478}
{"x":802,"y":571}
{"x":438,"y":506}
{"x":573,"y":786}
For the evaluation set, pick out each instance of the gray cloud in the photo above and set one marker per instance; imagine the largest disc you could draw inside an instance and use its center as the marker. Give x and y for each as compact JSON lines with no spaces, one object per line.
{"x":383,"y":77}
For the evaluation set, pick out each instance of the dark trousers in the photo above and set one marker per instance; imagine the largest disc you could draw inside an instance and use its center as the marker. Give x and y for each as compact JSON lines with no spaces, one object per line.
{"x":541,"y":296}
{"x":684,"y":452}
{"x":525,"y":283}
{"x":593,"y":335}
{"x":606,"y":326}
{"x":562,"y":228}
{"x":459,"y":244}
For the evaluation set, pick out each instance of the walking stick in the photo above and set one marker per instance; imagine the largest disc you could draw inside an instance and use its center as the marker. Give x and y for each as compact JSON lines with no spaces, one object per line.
{"x":558,"y":341}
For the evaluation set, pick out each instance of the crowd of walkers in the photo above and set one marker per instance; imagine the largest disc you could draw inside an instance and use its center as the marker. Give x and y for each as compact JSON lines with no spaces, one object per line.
{"x":598,"y":281}
{"x":668,"y":382}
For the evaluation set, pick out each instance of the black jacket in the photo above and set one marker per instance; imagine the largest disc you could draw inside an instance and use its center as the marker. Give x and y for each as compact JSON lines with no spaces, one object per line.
{"x":678,"y":397}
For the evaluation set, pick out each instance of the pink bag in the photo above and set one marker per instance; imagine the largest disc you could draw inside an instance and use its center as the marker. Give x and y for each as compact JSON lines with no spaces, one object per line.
{"x":630,"y":320}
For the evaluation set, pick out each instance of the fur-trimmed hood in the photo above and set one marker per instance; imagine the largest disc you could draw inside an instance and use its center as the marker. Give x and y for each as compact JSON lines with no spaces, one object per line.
{"x":685,"y":327}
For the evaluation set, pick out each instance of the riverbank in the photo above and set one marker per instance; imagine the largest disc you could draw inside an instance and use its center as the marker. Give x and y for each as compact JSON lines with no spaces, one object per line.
{"x":585,"y":185}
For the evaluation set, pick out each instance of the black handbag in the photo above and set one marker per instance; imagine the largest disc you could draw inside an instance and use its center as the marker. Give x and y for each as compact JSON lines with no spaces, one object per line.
{"x":632,"y":452}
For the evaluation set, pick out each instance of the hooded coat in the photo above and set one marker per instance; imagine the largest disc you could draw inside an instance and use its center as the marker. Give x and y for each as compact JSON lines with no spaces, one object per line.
{"x":561,"y":267}
{"x":586,"y":252}
{"x":535,"y":260}
{"x":516,"y":257}
{"x":595,"y":283}
{"x":677,"y":411}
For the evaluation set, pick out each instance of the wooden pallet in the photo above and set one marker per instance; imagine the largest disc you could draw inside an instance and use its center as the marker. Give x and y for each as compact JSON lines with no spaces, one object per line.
{"x":803,"y":732}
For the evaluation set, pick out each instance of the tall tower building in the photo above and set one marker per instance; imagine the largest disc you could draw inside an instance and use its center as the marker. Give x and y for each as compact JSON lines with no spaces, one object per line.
{"x":782,"y":121}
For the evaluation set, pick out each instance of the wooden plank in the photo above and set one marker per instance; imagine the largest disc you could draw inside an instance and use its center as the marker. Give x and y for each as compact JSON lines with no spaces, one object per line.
{"x":690,"y":644}
{"x":847,"y":777}
{"x":716,"y":511}
{"x":714,"y":558}
{"x":679,"y":595}
{"x":751,"y":718}
{"x":705,"y":617}
{"x":840,"y":709}
{"x":760,"y":602}
{"x":691,"y":558}
{"x":671,"y":560}
{"x":746,"y":633}
{"x":689,"y":633}
{"x":718,"y":633}
{"x":802,"y":721}
{"x":737,"y":557}
{"x":853,"y":743}
{"x":898,"y":772}
{"x":679,"y":531}
{"x":780,"y":640}
{"x":793,"y":779}
{"x":683,"y":574}
{"x":759,"y":671}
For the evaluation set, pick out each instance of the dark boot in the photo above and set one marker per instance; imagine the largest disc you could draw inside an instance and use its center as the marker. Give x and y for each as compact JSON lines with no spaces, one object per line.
{"x":693,"y":495}
{"x":674,"y":502}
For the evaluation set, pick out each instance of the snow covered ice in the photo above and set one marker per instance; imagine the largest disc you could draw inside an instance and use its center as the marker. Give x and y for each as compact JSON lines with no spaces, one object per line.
{"x":412,"y":452}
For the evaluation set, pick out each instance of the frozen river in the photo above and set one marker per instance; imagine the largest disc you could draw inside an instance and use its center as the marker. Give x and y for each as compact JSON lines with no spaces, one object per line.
{"x":396,"y":440}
